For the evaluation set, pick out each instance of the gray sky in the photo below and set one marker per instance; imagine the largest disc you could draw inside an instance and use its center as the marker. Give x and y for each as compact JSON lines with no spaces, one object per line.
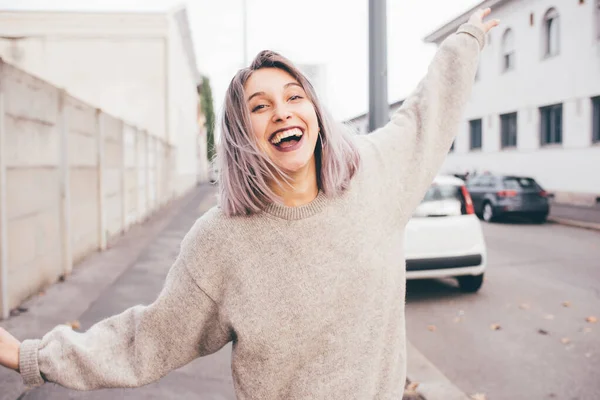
{"x":329,"y":32}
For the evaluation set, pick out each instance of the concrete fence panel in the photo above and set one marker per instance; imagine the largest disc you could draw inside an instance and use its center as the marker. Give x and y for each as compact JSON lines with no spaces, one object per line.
{"x":31,"y":169}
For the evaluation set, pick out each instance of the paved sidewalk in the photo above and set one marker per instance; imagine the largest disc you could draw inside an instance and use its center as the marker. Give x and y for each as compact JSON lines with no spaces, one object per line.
{"x":579,"y":216}
{"x":143,"y":257}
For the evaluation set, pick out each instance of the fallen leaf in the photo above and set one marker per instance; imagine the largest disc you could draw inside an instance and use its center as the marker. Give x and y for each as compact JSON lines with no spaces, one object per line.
{"x":432,"y":328}
{"x":478,"y":396}
{"x":542,"y":332}
{"x":524,"y":306}
{"x":565,"y":340}
{"x":75,"y":325}
{"x":495,"y":327}
{"x":591,"y":319}
{"x":412,"y":386}
{"x":549,"y":316}
{"x":566,"y":304}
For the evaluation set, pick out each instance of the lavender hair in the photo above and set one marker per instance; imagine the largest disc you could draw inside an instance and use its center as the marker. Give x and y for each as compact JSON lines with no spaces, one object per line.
{"x":245,"y":170}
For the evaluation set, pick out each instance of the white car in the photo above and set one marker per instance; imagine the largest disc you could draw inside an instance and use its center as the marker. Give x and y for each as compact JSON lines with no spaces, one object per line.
{"x":444,"y":238}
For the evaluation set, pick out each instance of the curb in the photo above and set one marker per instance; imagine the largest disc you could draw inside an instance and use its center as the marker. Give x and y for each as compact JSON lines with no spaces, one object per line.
{"x":575,"y":223}
{"x":433,"y":385}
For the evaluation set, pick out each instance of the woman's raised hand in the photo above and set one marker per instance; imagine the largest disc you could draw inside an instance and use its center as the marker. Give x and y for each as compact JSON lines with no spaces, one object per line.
{"x":477,"y":20}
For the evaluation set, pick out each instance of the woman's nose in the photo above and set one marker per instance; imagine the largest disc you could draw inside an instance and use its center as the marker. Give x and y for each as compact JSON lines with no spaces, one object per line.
{"x":281,"y":113}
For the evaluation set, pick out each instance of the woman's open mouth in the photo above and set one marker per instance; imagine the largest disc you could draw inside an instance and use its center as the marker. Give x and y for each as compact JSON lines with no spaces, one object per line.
{"x":287,"y":140}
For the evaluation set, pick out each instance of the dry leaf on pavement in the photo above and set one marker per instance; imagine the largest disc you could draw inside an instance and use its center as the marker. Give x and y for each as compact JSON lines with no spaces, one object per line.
{"x":565,"y":340}
{"x":566,"y":304}
{"x":431,"y":328}
{"x":478,"y":396}
{"x":495,"y":327}
{"x":74,"y":325}
{"x":591,"y":319}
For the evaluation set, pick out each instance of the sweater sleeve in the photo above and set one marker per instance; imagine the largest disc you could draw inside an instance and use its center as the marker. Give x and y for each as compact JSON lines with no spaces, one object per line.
{"x":413,"y":144}
{"x":134,"y":348}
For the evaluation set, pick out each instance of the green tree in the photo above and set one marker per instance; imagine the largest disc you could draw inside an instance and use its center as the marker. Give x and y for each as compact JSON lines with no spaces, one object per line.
{"x":206,"y":106}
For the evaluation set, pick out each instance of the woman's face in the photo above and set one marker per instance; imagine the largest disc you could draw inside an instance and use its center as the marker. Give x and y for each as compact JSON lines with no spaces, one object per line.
{"x":284,"y":121}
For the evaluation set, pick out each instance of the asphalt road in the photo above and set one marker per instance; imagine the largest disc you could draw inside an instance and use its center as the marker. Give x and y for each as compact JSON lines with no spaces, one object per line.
{"x":542,"y":283}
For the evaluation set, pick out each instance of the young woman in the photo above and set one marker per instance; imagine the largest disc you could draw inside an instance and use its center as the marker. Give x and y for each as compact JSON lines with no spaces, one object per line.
{"x":301,"y":264}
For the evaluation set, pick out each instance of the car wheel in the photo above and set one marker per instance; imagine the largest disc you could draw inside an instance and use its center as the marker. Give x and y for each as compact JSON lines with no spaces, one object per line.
{"x":539,"y":218}
{"x":488,"y":212}
{"x":470,"y":283}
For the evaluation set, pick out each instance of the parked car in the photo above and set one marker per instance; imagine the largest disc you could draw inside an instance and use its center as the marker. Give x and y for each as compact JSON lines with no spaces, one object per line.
{"x":496,"y":196}
{"x":444,"y":237}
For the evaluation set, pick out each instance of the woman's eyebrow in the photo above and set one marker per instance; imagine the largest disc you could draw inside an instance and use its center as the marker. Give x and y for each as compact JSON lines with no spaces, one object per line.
{"x":284,"y":86}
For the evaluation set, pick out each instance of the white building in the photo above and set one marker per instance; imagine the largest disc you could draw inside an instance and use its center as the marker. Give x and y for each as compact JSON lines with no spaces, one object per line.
{"x":535,"y":107}
{"x":137,"y":66}
{"x":360,"y":123}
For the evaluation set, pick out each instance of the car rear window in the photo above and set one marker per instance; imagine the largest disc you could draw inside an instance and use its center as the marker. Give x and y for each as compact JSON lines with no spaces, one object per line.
{"x":442,"y":192}
{"x":520,"y":183}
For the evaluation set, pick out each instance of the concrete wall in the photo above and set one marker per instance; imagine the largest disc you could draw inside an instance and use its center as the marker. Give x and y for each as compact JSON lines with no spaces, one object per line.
{"x":139,"y":67}
{"x":572,"y":77}
{"x":71,"y":178}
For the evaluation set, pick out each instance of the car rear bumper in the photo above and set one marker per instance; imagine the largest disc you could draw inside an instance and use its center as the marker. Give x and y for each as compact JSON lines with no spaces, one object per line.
{"x":445,"y":272}
{"x":516,"y":208}
{"x":421,"y":268}
{"x":424,"y":264}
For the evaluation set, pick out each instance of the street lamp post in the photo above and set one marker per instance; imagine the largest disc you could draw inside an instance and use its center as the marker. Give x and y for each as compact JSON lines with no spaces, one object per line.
{"x":378,"y":101}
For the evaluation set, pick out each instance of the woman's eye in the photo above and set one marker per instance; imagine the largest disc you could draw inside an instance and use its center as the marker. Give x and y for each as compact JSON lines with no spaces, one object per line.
{"x":295,"y":97}
{"x":258,"y":107}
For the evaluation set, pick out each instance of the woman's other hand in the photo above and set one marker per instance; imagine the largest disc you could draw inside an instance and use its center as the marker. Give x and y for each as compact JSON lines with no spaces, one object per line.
{"x":9,"y":350}
{"x":477,"y":20}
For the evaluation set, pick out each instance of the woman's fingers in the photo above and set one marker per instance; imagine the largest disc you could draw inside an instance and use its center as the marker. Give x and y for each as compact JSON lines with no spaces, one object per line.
{"x":479,"y":15}
{"x":490,"y":24}
{"x":485,"y":13}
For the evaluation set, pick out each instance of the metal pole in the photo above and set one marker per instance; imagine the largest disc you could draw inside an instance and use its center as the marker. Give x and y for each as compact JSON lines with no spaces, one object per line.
{"x":378,"y":99}
{"x":4,"y":298}
{"x":245,"y":33}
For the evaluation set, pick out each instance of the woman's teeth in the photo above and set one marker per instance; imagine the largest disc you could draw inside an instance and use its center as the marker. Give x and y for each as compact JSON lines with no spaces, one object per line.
{"x":285,"y":134}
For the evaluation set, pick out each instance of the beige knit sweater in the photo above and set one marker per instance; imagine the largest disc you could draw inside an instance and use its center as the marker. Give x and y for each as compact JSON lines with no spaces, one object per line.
{"x":312,"y":297}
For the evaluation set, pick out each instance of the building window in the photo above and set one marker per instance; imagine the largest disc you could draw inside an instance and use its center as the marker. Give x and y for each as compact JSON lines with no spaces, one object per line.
{"x":596,"y":119}
{"x":551,"y":124}
{"x":508,"y":50}
{"x":551,"y":33}
{"x":475,"y":134}
{"x":508,"y":129}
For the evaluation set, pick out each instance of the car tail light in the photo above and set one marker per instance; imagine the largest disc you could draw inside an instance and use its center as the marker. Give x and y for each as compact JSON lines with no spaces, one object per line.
{"x":507,"y":193}
{"x":469,"y":209}
{"x":543,"y":193}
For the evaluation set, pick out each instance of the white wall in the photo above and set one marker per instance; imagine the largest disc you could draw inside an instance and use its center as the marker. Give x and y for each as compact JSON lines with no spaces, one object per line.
{"x":572,"y":78}
{"x":101,"y":59}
